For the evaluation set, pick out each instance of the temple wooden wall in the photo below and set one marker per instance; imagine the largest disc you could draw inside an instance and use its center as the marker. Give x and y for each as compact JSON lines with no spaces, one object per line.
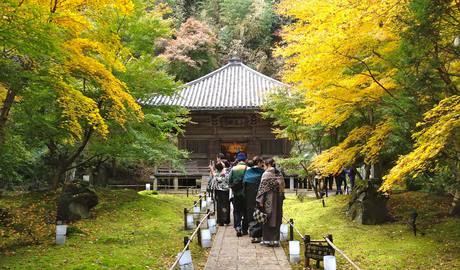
{"x":209,"y":132}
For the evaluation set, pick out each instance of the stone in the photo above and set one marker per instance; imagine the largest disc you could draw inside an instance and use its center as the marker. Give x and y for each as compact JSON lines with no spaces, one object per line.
{"x":368,"y":205}
{"x":75,"y":202}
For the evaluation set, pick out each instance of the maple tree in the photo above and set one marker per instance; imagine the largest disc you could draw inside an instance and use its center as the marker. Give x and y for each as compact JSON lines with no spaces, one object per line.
{"x":383,"y":74}
{"x":100,"y":57}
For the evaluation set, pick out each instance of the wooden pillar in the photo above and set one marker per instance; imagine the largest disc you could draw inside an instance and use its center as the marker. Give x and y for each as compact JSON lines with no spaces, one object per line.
{"x":155,"y":183}
{"x":176,"y":183}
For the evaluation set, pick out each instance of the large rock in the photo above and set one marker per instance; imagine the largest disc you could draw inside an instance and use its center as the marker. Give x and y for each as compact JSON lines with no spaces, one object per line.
{"x":75,"y":202}
{"x":368,"y":205}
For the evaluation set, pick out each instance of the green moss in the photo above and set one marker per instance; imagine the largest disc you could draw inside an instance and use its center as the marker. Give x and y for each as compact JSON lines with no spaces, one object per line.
{"x":387,"y":246}
{"x":127,"y":231}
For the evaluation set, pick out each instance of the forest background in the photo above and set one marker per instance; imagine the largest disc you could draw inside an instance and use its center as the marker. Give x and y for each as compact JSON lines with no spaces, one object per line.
{"x":375,"y":84}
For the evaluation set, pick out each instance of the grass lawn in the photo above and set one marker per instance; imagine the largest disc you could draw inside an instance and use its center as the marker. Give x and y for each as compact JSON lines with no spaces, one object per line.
{"x":388,"y":246}
{"x":127,"y":231}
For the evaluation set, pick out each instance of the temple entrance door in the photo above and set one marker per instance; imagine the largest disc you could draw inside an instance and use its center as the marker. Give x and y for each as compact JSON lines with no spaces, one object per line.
{"x":231,"y":149}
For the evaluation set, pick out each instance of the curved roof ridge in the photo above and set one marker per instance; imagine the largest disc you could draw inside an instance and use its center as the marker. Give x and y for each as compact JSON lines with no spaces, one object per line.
{"x":263,"y":75}
{"x":208,"y":75}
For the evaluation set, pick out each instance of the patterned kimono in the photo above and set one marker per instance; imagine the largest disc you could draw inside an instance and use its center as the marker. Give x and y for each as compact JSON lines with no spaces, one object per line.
{"x":271,"y":196}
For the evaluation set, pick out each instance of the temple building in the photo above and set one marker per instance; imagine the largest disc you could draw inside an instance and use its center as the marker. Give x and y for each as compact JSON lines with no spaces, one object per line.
{"x":225,"y":116}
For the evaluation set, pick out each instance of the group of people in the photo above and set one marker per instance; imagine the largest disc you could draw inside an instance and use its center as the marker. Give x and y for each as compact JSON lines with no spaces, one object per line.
{"x":341,"y":178}
{"x":249,"y":185}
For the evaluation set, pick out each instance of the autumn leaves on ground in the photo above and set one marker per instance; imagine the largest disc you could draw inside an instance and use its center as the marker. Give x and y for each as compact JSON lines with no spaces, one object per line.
{"x":128,"y":230}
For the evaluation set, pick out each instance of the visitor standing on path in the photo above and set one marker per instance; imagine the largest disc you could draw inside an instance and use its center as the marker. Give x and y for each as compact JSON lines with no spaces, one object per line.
{"x":251,"y":182}
{"x":340,"y":179}
{"x":270,"y":199}
{"x":219,"y":184}
{"x":236,"y":184}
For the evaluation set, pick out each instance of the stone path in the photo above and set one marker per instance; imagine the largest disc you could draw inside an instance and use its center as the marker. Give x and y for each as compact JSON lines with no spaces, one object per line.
{"x":229,"y":252}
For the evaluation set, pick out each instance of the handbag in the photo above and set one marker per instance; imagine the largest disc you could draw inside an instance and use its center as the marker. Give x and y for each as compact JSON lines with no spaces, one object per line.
{"x":259,"y":216}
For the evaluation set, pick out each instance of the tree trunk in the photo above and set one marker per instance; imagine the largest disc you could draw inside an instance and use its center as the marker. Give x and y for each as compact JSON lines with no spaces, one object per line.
{"x":455,"y":210}
{"x":4,"y":113}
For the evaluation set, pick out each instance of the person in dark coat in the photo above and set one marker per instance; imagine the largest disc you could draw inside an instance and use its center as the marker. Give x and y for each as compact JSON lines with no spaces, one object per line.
{"x":340,"y":179}
{"x":239,"y":203}
{"x":251,"y":182}
{"x":270,"y":198}
{"x":219,"y":185}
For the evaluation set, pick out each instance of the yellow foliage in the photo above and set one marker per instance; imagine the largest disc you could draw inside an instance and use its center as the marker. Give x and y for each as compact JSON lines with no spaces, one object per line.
{"x":333,"y":54}
{"x":439,"y":127}
{"x":376,"y":142}
{"x":336,"y":158}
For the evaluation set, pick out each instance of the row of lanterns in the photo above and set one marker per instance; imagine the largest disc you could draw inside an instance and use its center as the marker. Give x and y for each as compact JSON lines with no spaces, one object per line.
{"x":185,"y":261}
{"x":294,"y":250}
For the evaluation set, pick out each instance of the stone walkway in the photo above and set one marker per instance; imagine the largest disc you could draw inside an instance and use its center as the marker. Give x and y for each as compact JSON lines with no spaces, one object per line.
{"x":229,"y":252}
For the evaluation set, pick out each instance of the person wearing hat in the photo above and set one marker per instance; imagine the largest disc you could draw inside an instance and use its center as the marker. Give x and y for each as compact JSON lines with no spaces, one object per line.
{"x":236,"y":183}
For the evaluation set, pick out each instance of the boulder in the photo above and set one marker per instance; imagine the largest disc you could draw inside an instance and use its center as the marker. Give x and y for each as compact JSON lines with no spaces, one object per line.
{"x":368,"y":205}
{"x":76,"y":202}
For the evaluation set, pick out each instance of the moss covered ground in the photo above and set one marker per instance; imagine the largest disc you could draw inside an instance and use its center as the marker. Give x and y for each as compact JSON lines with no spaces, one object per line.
{"x":387,"y":246}
{"x":127,"y":230}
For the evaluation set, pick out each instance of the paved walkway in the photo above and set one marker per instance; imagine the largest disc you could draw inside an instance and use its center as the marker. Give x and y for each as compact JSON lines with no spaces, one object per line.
{"x":229,"y":252}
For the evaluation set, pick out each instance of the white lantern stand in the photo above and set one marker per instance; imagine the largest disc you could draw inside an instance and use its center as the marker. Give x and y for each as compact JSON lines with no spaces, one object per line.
{"x":206,"y":240}
{"x":190,"y":222}
{"x":61,"y":231}
{"x":203,"y":204}
{"x":284,"y":230}
{"x":147,"y":186}
{"x":294,"y":251}
{"x":86,"y":178}
{"x":212,"y":225}
{"x":185,"y":262}
{"x":196,"y":212}
{"x":329,"y":262}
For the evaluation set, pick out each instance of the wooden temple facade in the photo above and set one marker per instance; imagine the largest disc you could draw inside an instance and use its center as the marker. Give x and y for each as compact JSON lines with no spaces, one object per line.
{"x":225,"y":116}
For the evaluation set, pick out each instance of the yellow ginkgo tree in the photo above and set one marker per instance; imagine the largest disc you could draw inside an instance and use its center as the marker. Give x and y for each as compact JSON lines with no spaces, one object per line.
{"x":335,"y":53}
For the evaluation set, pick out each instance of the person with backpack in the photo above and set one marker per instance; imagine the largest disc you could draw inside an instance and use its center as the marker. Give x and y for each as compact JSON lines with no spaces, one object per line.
{"x":251,"y":183}
{"x":219,"y":185}
{"x":269,"y":199}
{"x":236,"y":184}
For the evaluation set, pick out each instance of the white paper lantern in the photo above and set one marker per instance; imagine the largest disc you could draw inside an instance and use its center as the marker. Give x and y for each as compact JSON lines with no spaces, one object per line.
{"x":196,"y":212}
{"x":206,"y":240}
{"x":61,"y":229}
{"x":60,"y":239}
{"x":86,"y":178}
{"x":212,"y":225}
{"x":294,"y":251}
{"x":147,"y":186}
{"x":190,"y":223}
{"x":185,"y":262}
{"x":203,"y":204}
{"x":330,"y":263}
{"x":284,"y":230}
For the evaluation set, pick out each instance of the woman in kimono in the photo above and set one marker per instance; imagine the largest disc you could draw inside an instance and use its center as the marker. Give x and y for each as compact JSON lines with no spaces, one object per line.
{"x":270,"y":200}
{"x":219,"y":184}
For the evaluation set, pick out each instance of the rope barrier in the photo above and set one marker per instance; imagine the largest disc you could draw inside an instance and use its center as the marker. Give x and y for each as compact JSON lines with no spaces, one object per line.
{"x":341,"y":253}
{"x":189,"y":241}
{"x":297,"y":230}
{"x":328,"y":241}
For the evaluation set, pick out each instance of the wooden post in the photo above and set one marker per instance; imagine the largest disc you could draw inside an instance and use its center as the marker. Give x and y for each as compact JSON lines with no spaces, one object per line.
{"x":291,"y":230}
{"x":176,"y":183}
{"x":185,"y":218}
{"x":188,"y":191}
{"x":306,"y":241}
{"x":198,"y":233}
{"x":185,"y":242}
{"x":199,"y":202}
{"x":155,"y":183}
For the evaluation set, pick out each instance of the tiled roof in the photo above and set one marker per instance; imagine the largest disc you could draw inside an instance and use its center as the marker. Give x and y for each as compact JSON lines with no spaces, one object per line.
{"x":233,"y":86}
